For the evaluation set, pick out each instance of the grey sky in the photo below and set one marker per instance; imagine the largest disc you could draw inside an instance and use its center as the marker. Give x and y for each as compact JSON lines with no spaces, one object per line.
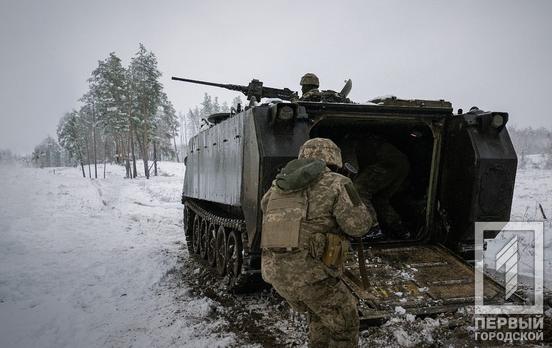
{"x":494,"y":54}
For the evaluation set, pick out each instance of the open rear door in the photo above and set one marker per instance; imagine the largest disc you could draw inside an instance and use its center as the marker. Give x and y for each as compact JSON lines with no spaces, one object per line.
{"x":477,"y":176}
{"x":422,"y":279}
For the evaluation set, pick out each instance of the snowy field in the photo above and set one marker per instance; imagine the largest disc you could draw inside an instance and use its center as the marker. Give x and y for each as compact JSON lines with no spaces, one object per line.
{"x":84,"y":263}
{"x":533,"y":187}
{"x":103,"y":263}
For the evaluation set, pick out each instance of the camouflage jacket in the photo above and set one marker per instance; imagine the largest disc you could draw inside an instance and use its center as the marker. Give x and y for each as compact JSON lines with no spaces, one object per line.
{"x":333,"y":206}
{"x":312,"y":95}
{"x":326,"y":96}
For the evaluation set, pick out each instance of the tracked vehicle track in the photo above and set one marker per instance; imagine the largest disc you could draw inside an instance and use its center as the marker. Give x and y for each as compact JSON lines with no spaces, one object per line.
{"x":236,"y":224}
{"x":217,"y":243}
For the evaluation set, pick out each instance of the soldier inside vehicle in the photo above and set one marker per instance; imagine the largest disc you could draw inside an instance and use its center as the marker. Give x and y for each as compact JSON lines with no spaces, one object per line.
{"x":392,"y":173}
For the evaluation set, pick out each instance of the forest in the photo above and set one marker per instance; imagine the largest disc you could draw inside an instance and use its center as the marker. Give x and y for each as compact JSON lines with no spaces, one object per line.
{"x":124,"y":116}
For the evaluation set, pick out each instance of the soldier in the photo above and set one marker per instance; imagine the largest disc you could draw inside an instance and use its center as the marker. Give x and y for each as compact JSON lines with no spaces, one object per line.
{"x":382,"y":170}
{"x":309,"y":87}
{"x":308,"y":213}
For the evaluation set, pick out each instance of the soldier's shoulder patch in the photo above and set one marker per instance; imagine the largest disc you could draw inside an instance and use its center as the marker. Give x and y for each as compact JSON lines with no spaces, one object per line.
{"x":353,"y":194}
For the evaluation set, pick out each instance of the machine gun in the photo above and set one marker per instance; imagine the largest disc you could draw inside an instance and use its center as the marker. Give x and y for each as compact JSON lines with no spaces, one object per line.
{"x":254,"y":89}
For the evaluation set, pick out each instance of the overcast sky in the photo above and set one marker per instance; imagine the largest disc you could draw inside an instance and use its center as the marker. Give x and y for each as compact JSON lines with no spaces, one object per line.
{"x":493,"y":54}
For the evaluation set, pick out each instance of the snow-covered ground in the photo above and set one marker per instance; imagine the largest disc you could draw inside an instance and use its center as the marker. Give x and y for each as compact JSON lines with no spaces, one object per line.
{"x":103,"y":263}
{"x":85,"y":263}
{"x":533,"y":190}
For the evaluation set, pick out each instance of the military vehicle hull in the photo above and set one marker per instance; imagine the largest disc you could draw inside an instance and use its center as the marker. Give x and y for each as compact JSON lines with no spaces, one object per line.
{"x":232,"y":164}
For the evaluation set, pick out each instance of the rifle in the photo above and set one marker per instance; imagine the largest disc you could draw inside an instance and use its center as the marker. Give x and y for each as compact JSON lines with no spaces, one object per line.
{"x":254,"y":89}
{"x":350,"y":172}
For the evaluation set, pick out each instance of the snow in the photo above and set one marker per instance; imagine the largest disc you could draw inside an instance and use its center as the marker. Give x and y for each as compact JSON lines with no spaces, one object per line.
{"x":84,"y":263}
{"x":407,"y":331}
{"x":533,"y":187}
{"x":400,"y":310}
{"x":402,"y":338}
{"x":380,"y":99}
{"x":95,"y":263}
{"x":269,"y":101}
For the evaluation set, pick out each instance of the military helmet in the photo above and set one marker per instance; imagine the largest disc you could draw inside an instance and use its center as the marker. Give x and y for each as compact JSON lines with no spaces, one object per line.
{"x":310,"y":79}
{"x":322,"y":149}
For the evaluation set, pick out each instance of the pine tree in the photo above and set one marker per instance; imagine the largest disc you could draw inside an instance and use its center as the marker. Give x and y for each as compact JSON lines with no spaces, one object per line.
{"x":146,"y":90}
{"x":194,"y":117}
{"x":215,"y":106}
{"x":165,"y":129}
{"x":6,"y":156}
{"x":237,"y":101}
{"x":47,"y":154}
{"x":109,"y":87}
{"x":183,"y":132}
{"x":69,"y":137}
{"x":170,"y":124}
{"x":91,"y":122}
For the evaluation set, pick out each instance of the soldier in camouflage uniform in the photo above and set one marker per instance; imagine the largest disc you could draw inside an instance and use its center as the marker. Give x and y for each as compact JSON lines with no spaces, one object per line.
{"x":306,"y":210}
{"x":309,"y":87}
{"x":382,"y":170}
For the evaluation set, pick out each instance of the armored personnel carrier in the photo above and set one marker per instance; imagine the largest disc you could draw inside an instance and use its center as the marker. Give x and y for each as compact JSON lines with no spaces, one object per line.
{"x":463,"y":169}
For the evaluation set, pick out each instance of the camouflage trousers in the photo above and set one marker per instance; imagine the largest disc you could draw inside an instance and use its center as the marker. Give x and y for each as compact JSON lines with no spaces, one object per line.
{"x":377,"y":183}
{"x":332,"y":311}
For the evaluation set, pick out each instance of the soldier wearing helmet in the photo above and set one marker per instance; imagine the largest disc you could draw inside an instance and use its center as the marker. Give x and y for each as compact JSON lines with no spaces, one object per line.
{"x":309,"y":87}
{"x":307,"y":215}
{"x":382,"y":171}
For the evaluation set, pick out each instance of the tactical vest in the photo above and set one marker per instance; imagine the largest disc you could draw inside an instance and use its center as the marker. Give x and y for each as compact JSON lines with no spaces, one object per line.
{"x":282,"y":226}
{"x":282,"y":219}
{"x":287,"y":208}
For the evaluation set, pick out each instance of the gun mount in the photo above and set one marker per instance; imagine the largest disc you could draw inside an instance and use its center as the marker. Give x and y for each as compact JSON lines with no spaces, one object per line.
{"x":254,"y":89}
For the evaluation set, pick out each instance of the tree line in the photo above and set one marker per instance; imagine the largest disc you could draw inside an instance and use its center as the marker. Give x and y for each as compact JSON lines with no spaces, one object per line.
{"x":74,"y":133}
{"x":49,"y":154}
{"x":531,"y":141}
{"x":196,"y":118}
{"x":7,"y":156}
{"x":125,"y":115}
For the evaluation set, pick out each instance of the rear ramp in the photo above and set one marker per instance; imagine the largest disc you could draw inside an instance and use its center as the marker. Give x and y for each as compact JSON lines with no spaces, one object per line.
{"x":423,"y":279}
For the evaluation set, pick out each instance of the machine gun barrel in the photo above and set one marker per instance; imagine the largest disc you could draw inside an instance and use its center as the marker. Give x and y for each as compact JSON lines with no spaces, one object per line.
{"x":239,"y":88}
{"x":254,"y":89}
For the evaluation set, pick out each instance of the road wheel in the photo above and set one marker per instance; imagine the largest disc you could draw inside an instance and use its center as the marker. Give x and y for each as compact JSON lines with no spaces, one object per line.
{"x":211,"y":245}
{"x":188,"y":225}
{"x":196,"y":234}
{"x":234,"y":262}
{"x":203,"y":239}
{"x":220,"y":246}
